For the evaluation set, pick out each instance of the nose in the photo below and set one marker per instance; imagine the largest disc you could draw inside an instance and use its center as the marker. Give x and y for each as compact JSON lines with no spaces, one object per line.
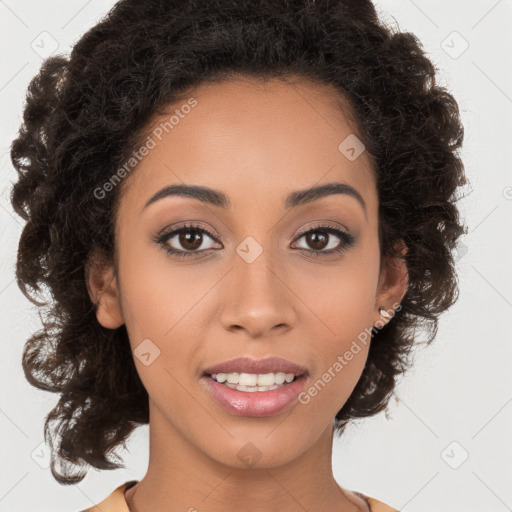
{"x":259,"y":300}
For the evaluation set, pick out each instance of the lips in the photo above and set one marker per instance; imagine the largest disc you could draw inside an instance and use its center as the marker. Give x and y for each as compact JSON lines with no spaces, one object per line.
{"x":248,"y":365}
{"x":257,"y":404}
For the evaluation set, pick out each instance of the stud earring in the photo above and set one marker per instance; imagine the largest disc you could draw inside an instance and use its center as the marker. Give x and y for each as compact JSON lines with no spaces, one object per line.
{"x":384,"y":313}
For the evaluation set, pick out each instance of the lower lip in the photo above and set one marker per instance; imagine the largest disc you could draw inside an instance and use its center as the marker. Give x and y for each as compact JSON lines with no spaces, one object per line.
{"x":255,"y":404}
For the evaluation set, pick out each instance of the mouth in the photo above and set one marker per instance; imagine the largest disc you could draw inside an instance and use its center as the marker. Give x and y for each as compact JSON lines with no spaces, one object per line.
{"x":255,"y":388}
{"x":250,"y":387}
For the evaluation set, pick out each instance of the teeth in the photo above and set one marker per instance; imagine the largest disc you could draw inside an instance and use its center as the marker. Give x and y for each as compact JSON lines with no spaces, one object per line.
{"x":250,"y":389}
{"x":254,"y":380}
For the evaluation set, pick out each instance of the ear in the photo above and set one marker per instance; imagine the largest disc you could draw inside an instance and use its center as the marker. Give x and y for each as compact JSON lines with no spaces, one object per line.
{"x":103,"y":290}
{"x":393,"y":284}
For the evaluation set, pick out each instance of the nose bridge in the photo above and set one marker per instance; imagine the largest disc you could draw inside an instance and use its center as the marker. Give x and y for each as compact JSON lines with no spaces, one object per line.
{"x":258,"y":297}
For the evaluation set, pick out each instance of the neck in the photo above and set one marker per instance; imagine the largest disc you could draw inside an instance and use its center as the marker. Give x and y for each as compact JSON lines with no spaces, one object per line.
{"x":182,"y":476}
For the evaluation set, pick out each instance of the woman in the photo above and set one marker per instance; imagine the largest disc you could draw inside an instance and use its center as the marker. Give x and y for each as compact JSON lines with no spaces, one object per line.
{"x":243,"y":211}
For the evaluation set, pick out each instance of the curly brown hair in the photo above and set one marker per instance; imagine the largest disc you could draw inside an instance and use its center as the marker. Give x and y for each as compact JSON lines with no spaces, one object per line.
{"x":85,"y":114}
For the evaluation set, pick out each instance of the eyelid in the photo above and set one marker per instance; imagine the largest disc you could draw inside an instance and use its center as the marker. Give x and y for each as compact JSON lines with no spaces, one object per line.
{"x":321,"y":225}
{"x":187,"y":224}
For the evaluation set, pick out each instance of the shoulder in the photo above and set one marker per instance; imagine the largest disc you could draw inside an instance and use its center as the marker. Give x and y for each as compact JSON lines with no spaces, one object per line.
{"x":115,"y":501}
{"x":375,"y":505}
{"x":379,"y":506}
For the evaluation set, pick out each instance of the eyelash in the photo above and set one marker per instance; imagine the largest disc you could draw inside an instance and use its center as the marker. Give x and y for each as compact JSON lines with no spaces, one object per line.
{"x":347,"y":239}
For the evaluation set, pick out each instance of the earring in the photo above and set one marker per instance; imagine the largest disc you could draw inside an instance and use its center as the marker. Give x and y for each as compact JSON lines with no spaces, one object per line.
{"x":384,"y":313}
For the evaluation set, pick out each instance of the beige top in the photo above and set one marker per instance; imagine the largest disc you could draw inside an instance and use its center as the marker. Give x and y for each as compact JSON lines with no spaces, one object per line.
{"x":115,"y":501}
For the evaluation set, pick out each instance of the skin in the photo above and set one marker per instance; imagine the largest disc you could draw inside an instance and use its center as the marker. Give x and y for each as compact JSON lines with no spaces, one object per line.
{"x":267,"y":139}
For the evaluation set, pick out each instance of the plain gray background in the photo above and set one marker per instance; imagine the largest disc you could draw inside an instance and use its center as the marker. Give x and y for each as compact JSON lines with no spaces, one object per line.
{"x":443,"y":445}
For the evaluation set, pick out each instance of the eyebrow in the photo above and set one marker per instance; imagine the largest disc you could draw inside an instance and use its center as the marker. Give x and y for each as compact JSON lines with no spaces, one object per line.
{"x":217,"y":198}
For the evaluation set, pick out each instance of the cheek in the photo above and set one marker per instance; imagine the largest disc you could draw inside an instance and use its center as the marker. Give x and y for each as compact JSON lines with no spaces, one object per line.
{"x":159,"y":306}
{"x":341,"y":309}
{"x":341,"y":349}
{"x":339,"y":299}
{"x":157,"y":292}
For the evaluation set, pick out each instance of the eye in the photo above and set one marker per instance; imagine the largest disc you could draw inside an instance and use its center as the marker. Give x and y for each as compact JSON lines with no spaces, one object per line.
{"x":321,"y":240}
{"x":190,"y":239}
{"x":185,"y":240}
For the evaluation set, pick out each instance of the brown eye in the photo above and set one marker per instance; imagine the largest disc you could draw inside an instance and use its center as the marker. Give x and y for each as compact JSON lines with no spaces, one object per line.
{"x":186,"y":240}
{"x":325,"y":240}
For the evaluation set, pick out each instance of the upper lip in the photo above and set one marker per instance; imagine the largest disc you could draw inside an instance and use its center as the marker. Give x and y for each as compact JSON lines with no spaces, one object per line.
{"x":248,"y":365}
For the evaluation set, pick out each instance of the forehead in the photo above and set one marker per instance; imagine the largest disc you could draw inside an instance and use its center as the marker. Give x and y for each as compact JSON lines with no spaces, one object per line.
{"x":253,"y":140}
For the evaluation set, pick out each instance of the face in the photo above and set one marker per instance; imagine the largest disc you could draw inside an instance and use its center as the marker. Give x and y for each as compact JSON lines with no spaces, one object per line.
{"x":270,"y":273}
